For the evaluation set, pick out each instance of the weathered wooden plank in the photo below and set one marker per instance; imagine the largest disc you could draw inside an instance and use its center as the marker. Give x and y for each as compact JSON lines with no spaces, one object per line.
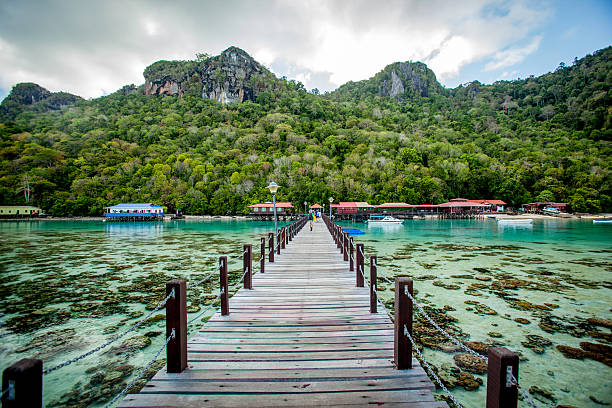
{"x":298,"y":355}
{"x":281,"y":400}
{"x":314,"y":374}
{"x":288,"y":387}
{"x":294,"y":347}
{"x":292,"y":340}
{"x":290,"y":365}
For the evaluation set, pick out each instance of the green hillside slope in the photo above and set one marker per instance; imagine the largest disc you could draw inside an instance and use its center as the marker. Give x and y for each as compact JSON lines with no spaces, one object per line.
{"x":398,"y":136}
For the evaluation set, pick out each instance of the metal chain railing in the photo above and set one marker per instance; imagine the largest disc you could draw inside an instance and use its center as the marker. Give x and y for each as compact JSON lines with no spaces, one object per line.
{"x":203,"y":279}
{"x":144,"y":370}
{"x":523,"y":393}
{"x":207,"y":309}
{"x":447,"y":335}
{"x":114,"y":339}
{"x":450,"y":337}
{"x":429,"y":369}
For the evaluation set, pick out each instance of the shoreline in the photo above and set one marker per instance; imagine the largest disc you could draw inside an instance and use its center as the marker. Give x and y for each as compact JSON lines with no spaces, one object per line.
{"x":244,"y":217}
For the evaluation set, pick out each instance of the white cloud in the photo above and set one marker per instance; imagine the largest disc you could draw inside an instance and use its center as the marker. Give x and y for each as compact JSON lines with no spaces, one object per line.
{"x":513,"y":56}
{"x":83,"y":47}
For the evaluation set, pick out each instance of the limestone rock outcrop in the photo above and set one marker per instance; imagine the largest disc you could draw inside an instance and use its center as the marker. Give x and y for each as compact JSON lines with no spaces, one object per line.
{"x":232,"y":76}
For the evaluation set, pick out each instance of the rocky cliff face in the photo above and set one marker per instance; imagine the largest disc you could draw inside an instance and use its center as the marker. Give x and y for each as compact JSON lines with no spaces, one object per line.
{"x":414,"y":77}
{"x":400,"y":80}
{"x":31,"y":96}
{"x":232,"y":76}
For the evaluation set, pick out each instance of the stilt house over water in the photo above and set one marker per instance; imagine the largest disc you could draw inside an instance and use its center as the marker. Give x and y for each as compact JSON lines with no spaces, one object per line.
{"x":134,"y":212}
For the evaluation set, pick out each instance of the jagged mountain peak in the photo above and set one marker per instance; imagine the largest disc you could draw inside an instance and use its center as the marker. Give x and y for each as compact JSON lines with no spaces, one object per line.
{"x":399,"y":80}
{"x":232,"y":76}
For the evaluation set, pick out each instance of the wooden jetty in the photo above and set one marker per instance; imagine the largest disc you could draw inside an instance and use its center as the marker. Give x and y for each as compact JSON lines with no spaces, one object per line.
{"x":303,"y":336}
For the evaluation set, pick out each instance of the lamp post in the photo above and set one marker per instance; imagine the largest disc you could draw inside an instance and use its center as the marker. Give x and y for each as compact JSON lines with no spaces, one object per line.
{"x":305,"y":204}
{"x":331,"y":200}
{"x":273,"y":187}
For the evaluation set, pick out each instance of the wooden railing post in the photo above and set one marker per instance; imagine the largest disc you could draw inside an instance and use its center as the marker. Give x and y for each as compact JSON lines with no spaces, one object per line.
{"x":291,"y":231}
{"x":351,"y":255}
{"x":278,"y":241}
{"x":359,"y":268}
{"x":271,"y":247}
{"x":283,"y":237}
{"x":345,"y":245}
{"x":176,"y":319}
{"x":23,"y":382}
{"x":402,"y":350}
{"x":338,"y":241}
{"x":223,"y":286}
{"x":247,"y":266}
{"x":373,"y":284}
{"x":502,"y":392}
{"x":262,"y":260}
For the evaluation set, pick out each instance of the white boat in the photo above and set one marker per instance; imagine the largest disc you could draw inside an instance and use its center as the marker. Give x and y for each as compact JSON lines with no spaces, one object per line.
{"x":602,"y":221}
{"x":383,"y":219}
{"x":514,"y":220}
{"x":551,"y":210}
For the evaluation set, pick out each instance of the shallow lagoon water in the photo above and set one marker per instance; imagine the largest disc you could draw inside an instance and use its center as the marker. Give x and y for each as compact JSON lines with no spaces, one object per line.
{"x":73,"y":285}
{"x":566,"y":264}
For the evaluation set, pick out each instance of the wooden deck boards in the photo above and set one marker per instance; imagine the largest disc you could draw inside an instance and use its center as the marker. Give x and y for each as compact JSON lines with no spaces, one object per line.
{"x":302,"y":337}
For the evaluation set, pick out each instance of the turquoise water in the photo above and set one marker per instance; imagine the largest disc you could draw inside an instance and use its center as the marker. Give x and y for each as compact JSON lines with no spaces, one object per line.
{"x":565,"y":264}
{"x":68,"y":286}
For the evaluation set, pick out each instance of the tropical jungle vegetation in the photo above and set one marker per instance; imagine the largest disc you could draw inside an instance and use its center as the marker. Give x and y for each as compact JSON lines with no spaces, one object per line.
{"x":543,"y":138}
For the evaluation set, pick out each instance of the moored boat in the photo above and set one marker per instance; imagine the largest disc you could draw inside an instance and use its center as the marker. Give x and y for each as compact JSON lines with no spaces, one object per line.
{"x":604,"y":221}
{"x":515,"y":220}
{"x":383,"y":219}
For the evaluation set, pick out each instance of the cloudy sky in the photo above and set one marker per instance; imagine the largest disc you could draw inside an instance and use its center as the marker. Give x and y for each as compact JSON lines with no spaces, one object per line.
{"x":92,"y":48}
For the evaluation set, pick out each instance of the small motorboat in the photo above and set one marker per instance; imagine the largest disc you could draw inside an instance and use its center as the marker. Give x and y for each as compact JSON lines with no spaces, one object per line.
{"x":604,"y":221}
{"x":515,"y":221}
{"x":353,"y":231}
{"x":383,"y":219}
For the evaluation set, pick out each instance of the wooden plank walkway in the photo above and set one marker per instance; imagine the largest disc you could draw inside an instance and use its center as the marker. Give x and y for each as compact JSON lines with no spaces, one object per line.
{"x":302,"y":337}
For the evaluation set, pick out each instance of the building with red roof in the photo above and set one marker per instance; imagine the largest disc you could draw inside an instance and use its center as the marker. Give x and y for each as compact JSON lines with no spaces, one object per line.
{"x":267,"y":208}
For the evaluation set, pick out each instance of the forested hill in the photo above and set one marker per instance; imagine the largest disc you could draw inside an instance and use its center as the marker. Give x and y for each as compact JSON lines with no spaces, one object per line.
{"x":398,"y":136}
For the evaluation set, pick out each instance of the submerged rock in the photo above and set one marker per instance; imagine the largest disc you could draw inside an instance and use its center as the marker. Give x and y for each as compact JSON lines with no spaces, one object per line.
{"x":597,"y":321}
{"x":536,"y":343}
{"x":470,"y":363}
{"x":541,"y":392}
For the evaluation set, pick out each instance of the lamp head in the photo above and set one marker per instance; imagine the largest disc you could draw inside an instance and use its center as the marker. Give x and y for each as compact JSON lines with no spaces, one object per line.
{"x":273,"y":187}
{"x":331,"y":200}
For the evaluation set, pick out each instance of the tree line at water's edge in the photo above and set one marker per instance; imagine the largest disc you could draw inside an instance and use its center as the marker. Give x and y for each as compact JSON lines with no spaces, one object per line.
{"x":542,"y":138}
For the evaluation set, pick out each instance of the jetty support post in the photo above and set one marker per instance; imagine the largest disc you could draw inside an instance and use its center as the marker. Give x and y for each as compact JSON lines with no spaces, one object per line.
{"x":23,"y":383}
{"x":262,"y":260}
{"x":502,"y":392}
{"x":402,"y":347}
{"x":360,"y":270}
{"x":223,"y":286}
{"x":373,"y":268}
{"x":271,"y":246}
{"x":351,"y":255}
{"x":176,"y":319}
{"x":247,"y":266}
{"x":345,"y":245}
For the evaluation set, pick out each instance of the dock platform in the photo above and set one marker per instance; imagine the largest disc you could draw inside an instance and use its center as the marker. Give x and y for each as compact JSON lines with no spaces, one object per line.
{"x":303,"y":336}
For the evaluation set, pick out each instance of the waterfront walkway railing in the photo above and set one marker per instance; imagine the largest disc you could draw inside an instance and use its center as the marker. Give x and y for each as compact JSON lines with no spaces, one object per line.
{"x":502,"y":364}
{"x":22,"y":382}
